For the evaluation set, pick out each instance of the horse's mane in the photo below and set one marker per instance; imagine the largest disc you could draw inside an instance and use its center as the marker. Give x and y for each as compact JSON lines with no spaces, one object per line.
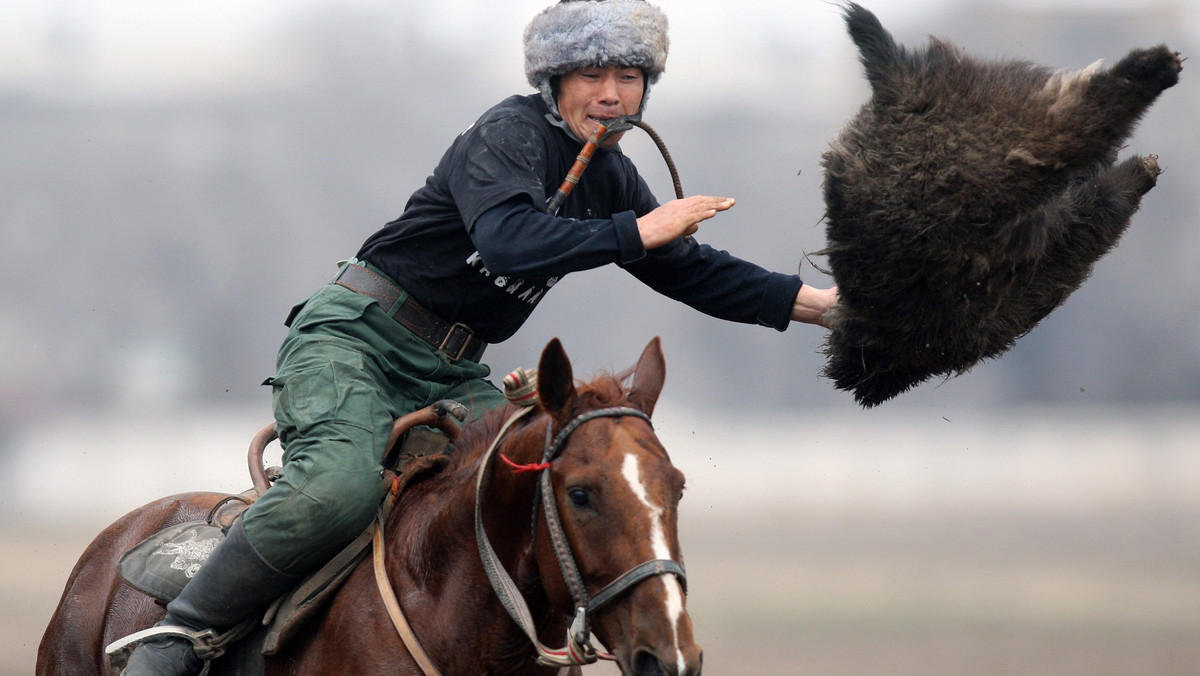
{"x":605,"y":390}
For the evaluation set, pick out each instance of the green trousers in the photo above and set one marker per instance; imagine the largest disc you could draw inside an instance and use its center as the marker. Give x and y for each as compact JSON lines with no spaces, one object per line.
{"x":345,"y":371}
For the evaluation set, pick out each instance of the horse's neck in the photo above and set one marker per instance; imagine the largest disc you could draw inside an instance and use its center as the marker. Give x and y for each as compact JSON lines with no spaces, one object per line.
{"x":434,"y":547}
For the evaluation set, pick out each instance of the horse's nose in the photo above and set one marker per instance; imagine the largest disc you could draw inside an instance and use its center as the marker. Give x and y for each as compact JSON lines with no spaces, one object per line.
{"x":646,"y":663}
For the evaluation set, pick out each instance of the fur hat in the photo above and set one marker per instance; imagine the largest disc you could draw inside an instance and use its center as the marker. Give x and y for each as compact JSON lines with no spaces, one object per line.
{"x":574,"y":34}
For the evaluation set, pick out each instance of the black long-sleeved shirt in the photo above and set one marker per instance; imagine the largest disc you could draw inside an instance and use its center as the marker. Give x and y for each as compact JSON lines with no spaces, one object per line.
{"x":476,"y":246}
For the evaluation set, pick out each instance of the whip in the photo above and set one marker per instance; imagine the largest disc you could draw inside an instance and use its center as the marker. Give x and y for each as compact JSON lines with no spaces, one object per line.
{"x":582,"y":160}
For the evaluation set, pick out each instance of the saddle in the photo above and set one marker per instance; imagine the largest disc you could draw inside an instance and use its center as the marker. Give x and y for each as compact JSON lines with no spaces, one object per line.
{"x":161,"y":565}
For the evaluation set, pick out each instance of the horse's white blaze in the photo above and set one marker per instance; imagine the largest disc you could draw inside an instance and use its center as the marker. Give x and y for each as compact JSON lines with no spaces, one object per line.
{"x":631,"y":470}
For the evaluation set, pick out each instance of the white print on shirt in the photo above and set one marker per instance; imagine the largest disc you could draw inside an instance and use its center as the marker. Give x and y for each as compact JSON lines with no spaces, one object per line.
{"x":523,"y":289}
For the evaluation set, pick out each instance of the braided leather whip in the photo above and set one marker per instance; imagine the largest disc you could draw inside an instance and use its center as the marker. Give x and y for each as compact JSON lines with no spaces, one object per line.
{"x":585,"y":157}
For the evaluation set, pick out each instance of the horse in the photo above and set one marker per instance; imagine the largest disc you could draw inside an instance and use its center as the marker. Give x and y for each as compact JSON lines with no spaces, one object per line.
{"x":573,"y":534}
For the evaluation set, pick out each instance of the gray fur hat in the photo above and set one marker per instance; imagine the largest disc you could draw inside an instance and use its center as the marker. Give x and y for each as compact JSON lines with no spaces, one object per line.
{"x":574,"y":34}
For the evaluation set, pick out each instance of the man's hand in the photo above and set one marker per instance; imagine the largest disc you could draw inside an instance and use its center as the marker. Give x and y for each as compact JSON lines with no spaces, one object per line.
{"x":812,"y":304}
{"x":678,"y":218}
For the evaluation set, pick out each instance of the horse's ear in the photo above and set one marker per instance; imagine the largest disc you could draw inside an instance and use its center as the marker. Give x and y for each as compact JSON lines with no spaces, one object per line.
{"x":556,"y":381}
{"x":648,"y":377}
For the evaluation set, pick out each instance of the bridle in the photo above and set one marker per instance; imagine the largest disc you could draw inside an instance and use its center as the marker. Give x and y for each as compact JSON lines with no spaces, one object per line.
{"x":578,"y":650}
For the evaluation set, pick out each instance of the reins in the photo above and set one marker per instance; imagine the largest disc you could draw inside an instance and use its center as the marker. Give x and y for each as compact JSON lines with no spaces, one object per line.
{"x":388,"y":594}
{"x":395,"y":612}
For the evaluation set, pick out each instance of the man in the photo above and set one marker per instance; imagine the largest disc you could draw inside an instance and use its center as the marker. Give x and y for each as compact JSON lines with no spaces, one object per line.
{"x":405,"y":323}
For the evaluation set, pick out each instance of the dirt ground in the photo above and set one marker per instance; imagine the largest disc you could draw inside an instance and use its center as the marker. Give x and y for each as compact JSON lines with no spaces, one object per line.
{"x":913,"y":594}
{"x":1114,"y":594}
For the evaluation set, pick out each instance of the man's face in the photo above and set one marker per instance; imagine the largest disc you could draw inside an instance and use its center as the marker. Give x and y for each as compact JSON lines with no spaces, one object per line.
{"x":592,"y":96}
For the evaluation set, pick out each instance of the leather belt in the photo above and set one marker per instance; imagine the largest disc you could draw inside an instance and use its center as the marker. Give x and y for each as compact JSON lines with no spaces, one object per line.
{"x":456,"y":341}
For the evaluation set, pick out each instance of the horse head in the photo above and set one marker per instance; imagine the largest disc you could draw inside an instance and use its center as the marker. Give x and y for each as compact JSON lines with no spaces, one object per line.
{"x":615,"y":494}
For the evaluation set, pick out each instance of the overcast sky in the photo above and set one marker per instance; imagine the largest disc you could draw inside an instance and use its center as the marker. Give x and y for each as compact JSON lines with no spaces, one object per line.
{"x":160,"y":46}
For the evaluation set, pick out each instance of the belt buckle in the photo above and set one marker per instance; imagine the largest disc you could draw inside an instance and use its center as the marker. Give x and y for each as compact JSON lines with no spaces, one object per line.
{"x":456,"y":329}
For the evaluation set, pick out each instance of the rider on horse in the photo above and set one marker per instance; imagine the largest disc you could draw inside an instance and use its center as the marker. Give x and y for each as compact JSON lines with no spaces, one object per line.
{"x":405,"y":322}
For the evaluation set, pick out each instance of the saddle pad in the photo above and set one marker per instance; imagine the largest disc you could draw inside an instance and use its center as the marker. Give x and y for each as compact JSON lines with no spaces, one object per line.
{"x":163,"y":563}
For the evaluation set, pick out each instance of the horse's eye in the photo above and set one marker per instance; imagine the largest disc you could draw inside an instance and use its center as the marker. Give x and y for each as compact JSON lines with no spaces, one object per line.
{"x":579,"y":497}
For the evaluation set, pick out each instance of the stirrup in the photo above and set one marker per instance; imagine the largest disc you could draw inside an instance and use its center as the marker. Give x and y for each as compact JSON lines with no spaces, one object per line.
{"x":203,"y":642}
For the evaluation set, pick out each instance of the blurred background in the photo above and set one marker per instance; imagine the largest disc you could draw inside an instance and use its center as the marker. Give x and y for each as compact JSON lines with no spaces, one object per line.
{"x":175,"y":175}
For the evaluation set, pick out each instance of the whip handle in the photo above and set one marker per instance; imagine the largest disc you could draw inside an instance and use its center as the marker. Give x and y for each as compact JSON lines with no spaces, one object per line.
{"x":581,"y":163}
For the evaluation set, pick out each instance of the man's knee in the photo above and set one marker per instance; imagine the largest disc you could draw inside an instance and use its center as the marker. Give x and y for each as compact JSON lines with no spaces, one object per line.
{"x":298,"y":526}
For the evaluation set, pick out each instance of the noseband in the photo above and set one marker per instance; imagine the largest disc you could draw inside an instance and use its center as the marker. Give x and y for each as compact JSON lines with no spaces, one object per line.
{"x":579,"y":649}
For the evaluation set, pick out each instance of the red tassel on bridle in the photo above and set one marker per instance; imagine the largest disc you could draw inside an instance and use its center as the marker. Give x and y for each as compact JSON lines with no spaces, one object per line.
{"x":518,"y":469}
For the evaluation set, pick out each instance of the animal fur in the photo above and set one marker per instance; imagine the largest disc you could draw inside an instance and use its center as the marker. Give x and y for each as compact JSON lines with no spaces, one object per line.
{"x":968,"y":199}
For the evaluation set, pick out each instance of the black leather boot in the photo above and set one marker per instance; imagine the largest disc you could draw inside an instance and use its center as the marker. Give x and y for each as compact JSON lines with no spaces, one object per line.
{"x":234,"y":584}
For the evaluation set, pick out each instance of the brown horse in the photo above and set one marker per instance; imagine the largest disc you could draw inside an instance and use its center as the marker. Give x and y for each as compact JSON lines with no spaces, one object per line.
{"x":608,"y":498}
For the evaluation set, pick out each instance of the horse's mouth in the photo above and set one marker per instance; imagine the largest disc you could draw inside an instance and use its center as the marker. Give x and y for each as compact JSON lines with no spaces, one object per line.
{"x":646,"y":663}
